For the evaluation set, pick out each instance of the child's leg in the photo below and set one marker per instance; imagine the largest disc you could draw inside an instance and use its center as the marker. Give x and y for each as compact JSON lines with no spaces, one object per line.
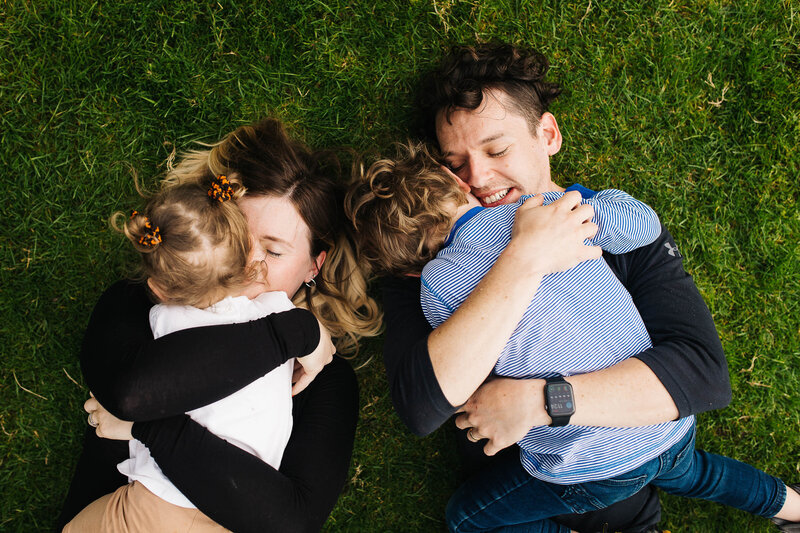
{"x":504,"y":495}
{"x":134,"y":509}
{"x":90,"y":520}
{"x":709,"y":476}
{"x":506,"y":498}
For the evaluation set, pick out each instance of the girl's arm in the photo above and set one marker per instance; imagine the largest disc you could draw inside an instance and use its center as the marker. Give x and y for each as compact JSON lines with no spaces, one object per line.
{"x":241,"y":492}
{"x":138,"y":378}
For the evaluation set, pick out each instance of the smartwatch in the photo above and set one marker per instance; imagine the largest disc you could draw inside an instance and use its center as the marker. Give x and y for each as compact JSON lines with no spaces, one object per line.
{"x":558,"y":401}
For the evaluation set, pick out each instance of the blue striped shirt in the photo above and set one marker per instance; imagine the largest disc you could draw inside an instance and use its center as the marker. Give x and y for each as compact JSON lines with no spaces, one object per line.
{"x":578,"y":321}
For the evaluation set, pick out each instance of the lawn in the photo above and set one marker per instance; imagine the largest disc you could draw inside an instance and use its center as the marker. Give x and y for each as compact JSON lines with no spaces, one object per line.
{"x":691,"y":106}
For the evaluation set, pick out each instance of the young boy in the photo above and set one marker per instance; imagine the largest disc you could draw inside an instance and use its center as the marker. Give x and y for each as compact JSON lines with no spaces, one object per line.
{"x":407,"y":211}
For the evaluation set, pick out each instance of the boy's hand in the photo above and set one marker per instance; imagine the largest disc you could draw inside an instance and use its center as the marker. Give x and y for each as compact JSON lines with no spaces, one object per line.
{"x":306,"y":368}
{"x":107,"y":425}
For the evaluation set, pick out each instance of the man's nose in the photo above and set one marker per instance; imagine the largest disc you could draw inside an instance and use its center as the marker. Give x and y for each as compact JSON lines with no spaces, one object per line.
{"x":479,"y":173}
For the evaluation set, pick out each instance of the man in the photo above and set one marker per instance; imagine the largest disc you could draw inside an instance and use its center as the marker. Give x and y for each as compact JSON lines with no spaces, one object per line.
{"x":488,"y":109}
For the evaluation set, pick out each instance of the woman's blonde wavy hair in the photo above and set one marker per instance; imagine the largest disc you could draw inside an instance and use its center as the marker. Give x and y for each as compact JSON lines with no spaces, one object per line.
{"x":268,"y":163}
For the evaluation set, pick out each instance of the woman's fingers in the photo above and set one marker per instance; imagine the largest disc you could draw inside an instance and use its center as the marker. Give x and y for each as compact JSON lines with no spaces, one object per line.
{"x":91,"y":405}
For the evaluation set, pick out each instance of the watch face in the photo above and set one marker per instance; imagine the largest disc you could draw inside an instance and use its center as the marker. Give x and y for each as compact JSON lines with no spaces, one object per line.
{"x":559,"y":399}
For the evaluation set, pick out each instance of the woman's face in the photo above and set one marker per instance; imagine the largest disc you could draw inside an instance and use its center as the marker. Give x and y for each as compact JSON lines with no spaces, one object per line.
{"x":282,"y":241}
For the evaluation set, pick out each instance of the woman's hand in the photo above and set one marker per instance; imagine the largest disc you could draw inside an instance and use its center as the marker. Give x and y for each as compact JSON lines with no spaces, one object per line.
{"x":306,"y":368}
{"x":552,"y":237}
{"x":107,"y":425}
{"x":503,"y":410}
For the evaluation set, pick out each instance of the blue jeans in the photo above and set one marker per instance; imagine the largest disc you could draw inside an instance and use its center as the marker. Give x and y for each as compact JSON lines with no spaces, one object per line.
{"x":508,"y":499}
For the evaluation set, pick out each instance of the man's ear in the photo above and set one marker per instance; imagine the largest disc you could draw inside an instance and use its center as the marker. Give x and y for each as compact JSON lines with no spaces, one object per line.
{"x":548,"y":129}
{"x":156,"y":290}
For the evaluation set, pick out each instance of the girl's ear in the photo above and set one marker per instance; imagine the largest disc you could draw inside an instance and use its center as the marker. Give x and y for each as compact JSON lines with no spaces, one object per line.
{"x":153,"y":287}
{"x":318,"y":262}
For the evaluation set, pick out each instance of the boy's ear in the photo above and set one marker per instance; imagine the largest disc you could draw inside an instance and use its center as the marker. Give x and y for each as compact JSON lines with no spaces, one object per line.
{"x":551,"y":135}
{"x":461,"y":184}
{"x":153,"y":287}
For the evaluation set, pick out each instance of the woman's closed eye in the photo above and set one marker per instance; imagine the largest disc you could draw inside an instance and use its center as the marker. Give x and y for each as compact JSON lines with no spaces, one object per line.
{"x":270,"y":253}
{"x":501,"y":153}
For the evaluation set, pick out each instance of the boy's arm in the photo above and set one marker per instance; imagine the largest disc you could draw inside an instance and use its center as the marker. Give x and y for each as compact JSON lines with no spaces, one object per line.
{"x":684,"y":373}
{"x":456,"y":357}
{"x":624,"y":223}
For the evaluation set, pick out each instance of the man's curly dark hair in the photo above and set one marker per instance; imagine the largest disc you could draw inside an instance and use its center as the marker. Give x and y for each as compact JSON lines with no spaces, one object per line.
{"x":466,"y":73}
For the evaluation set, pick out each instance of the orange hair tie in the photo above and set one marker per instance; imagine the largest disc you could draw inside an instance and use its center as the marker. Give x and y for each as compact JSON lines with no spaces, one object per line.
{"x":152,"y":236}
{"x":221,"y":189}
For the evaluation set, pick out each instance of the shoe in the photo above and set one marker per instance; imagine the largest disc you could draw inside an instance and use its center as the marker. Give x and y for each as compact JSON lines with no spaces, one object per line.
{"x":785,"y":525}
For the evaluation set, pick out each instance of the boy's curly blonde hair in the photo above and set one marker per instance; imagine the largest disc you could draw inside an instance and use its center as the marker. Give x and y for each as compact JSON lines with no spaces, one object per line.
{"x":402,"y":210}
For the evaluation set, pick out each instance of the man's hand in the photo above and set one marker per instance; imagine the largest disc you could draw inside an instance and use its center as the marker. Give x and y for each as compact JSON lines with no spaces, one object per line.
{"x":107,"y":425}
{"x":503,"y":410}
{"x":306,"y":368}
{"x":553,"y":236}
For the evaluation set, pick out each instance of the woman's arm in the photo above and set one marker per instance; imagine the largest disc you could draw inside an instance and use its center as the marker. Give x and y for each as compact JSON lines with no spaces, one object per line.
{"x":138,"y":378}
{"x":241,"y":492}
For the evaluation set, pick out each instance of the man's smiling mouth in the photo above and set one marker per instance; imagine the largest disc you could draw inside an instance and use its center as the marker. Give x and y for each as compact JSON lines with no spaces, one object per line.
{"x":496,"y":197}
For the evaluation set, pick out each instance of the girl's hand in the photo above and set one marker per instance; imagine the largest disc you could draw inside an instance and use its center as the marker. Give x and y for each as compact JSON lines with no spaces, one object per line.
{"x":107,"y":425}
{"x":306,"y":368}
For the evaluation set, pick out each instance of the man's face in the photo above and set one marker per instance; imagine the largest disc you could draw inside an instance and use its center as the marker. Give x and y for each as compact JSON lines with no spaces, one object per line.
{"x":493,"y":150}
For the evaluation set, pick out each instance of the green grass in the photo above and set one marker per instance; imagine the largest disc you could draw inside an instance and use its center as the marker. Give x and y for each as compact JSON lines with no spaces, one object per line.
{"x":691,"y":106}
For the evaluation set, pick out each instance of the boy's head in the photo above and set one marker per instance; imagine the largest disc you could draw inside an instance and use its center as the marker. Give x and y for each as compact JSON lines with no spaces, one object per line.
{"x":402,"y":210}
{"x":194,"y":242}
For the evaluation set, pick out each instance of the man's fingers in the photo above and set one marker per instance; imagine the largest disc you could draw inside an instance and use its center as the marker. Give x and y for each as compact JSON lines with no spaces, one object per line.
{"x":490,"y":449}
{"x":570,"y":200}
{"x":462,"y":422}
{"x":533,"y":202}
{"x":584,"y":212}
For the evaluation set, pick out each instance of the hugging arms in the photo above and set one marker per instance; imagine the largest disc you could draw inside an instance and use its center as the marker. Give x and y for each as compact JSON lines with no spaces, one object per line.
{"x":155,"y":382}
{"x":686,"y":361}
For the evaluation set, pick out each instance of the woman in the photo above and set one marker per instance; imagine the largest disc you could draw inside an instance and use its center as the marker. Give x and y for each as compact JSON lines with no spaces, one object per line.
{"x":293,"y":210}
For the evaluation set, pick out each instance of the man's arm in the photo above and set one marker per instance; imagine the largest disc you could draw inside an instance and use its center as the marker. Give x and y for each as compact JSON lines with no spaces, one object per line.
{"x":684,"y":373}
{"x":461,"y":353}
{"x":687,"y":355}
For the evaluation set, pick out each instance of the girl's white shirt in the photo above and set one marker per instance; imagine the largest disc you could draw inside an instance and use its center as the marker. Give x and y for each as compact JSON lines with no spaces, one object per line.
{"x":257,"y":418}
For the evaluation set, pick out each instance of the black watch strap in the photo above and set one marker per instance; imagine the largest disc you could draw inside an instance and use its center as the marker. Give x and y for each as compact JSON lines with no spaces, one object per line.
{"x":558,"y":401}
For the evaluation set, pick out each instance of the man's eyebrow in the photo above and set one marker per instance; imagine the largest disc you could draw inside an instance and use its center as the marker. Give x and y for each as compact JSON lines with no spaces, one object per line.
{"x":488,"y":139}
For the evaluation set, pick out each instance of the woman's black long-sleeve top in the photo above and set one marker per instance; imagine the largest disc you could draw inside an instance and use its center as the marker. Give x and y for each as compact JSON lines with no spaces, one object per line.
{"x":153,"y":382}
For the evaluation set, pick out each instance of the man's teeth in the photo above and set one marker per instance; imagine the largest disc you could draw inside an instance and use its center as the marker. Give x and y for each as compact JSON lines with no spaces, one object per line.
{"x":495,"y":197}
